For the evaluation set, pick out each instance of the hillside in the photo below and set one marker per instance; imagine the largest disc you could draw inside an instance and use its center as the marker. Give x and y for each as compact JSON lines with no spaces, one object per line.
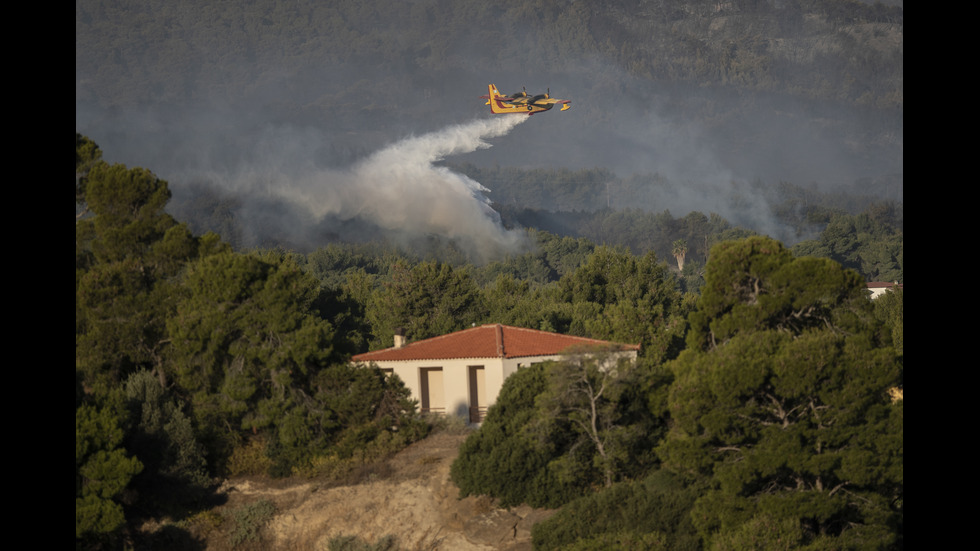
{"x":409,"y":497}
{"x":194,"y":361}
{"x":698,"y":91}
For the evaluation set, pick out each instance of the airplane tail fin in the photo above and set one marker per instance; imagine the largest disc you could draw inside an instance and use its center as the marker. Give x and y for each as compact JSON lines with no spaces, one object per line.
{"x":501,"y":104}
{"x":491,"y":99}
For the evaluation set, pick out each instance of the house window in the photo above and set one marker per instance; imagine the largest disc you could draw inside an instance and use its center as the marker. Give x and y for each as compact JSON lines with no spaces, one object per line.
{"x":433,"y":395}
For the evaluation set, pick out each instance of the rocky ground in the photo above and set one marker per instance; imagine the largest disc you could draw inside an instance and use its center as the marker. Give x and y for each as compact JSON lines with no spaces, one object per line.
{"x":410,"y":498}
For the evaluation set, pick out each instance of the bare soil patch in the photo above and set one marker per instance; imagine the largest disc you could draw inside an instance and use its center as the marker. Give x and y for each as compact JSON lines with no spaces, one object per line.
{"x":409,"y":496}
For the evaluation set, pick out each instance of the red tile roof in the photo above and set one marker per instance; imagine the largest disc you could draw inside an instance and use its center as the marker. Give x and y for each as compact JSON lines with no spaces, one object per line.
{"x":487,"y":341}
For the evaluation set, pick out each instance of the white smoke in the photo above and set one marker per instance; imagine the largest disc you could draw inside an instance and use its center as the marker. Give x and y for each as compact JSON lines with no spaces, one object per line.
{"x":399,"y":188}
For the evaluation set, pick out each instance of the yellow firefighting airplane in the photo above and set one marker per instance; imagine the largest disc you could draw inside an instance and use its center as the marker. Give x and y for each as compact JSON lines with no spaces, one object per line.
{"x":523,"y":103}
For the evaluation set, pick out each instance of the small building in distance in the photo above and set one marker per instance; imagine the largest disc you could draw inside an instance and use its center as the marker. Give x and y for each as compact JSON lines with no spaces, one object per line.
{"x":878,"y":288}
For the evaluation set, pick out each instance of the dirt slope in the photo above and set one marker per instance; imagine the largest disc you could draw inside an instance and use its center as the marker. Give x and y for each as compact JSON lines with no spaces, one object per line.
{"x":414,"y":501}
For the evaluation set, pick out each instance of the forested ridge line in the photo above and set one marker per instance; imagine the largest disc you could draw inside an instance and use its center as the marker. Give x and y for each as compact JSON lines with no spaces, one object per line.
{"x":787,"y":47}
{"x":861,"y":231}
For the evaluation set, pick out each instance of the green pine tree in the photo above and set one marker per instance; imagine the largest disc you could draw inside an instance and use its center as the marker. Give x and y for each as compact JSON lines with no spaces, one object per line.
{"x":780,"y":405}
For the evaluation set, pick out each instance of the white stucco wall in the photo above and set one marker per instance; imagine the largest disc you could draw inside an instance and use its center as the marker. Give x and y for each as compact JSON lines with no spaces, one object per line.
{"x":456,"y":377}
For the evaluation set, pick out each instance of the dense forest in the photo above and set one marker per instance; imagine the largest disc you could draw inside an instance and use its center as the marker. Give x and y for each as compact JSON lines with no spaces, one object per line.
{"x":318,"y":175}
{"x":776,"y":424}
{"x":829,"y":50}
{"x":196,"y":362}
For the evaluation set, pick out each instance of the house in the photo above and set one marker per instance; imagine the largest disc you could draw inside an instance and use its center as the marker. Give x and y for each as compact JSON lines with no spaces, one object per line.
{"x":461,"y":373}
{"x":878,"y":288}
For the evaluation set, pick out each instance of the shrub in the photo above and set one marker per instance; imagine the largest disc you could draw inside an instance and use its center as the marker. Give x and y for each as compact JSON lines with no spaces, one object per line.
{"x":354,"y":543}
{"x":506,"y":458}
{"x":249,"y":519}
{"x":656,"y":509}
{"x":250,"y":459}
{"x":203,"y":522}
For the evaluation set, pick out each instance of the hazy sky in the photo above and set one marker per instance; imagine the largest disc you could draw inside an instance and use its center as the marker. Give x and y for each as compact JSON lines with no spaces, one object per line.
{"x":346,"y":140}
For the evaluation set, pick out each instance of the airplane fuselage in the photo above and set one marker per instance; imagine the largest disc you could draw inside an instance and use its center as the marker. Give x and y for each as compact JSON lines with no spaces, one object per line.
{"x":521,"y":103}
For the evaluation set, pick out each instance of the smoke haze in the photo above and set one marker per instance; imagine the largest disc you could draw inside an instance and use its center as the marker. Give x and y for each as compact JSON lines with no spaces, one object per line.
{"x":296,"y":116}
{"x":399,"y":190}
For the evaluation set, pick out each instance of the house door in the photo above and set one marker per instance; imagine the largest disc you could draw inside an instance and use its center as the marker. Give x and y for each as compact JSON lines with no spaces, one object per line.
{"x":433,"y":395}
{"x":478,"y":394}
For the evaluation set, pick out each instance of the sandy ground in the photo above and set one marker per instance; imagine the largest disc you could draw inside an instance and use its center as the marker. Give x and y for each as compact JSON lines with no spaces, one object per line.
{"x":415,"y":502}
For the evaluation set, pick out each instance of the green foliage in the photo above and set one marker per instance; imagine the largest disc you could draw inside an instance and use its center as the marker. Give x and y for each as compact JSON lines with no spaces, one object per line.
{"x":889,"y":311}
{"x":427,"y":300}
{"x":563,"y":254}
{"x":188,"y":353}
{"x":780,"y":404}
{"x":652,"y":513}
{"x":870,"y":243}
{"x":782,"y":427}
{"x":162,"y":435}
{"x":354,"y":543}
{"x":529,"y":268}
{"x":511,"y":302}
{"x":246,"y":346}
{"x":361,"y":453}
{"x":623,"y":541}
{"x":249,"y":459}
{"x":128,"y":256}
{"x":506,"y":458}
{"x":103,"y":469}
{"x":692,"y":278}
{"x":573,"y":425}
{"x":299,"y":402}
{"x":449,"y":424}
{"x":87,"y":154}
{"x":622,"y":298}
{"x":538,"y":444}
{"x":368,"y":408}
{"x":249,"y":519}
{"x":120,"y":316}
{"x":766,"y":533}
{"x":757,"y":284}
{"x":335,"y":262}
{"x":129,"y":207}
{"x":637,"y":230}
{"x":585,"y":390}
{"x":678,"y":250}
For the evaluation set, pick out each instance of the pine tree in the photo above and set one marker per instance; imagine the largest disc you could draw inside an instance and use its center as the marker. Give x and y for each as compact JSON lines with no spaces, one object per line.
{"x":780,"y":405}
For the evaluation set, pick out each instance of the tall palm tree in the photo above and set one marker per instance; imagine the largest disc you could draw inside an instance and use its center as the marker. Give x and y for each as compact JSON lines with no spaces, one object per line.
{"x":679,"y":250}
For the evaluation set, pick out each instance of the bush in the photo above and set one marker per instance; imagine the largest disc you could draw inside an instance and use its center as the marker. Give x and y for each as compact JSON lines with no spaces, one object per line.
{"x":336,"y":466}
{"x":656,"y":509}
{"x":508,"y":458}
{"x":448,"y":424}
{"x":250,"y":459}
{"x":203,"y":522}
{"x":249,"y":519}
{"x":622,"y":541}
{"x":354,"y":543}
